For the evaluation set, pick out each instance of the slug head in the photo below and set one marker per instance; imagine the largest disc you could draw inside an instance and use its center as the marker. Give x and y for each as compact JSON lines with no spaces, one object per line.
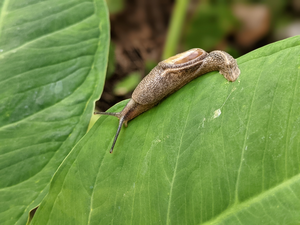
{"x":121,"y":121}
{"x":130,"y":111}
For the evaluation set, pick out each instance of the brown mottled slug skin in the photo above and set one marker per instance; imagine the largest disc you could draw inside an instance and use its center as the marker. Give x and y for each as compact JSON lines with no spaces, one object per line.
{"x":169,"y":76}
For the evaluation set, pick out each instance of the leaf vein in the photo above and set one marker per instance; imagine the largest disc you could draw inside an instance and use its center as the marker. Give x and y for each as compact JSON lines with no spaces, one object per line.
{"x":44,"y":36}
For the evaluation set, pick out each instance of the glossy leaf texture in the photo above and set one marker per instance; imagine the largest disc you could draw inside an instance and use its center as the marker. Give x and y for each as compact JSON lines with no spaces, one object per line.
{"x":53,"y":57}
{"x":214,"y":152}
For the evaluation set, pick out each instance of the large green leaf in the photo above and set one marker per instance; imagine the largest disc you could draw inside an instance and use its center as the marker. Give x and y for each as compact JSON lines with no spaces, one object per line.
{"x":53,"y":57}
{"x":212,"y":153}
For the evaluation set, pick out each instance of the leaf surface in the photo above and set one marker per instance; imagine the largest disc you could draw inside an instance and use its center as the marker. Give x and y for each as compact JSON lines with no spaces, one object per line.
{"x":53,"y":57}
{"x":214,"y":152}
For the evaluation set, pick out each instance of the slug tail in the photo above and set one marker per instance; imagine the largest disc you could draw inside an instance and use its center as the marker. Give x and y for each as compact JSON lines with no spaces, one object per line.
{"x":225,"y":63}
{"x":117,"y":134}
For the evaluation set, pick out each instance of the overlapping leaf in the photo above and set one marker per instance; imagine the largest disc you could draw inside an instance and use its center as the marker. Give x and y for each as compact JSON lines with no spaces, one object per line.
{"x":53,"y":58}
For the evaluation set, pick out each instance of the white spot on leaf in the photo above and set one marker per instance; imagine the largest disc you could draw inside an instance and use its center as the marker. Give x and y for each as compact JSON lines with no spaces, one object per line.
{"x":217,"y":113}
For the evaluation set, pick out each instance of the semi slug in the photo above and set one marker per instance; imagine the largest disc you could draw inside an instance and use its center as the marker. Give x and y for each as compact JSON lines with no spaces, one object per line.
{"x":169,"y":76}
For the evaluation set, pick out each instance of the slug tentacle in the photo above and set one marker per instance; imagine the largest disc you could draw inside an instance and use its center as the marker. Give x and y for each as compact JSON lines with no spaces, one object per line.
{"x":117,"y":134}
{"x":109,"y":114}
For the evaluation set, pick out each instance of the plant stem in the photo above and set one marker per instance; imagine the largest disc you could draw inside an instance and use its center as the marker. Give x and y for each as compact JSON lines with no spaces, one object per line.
{"x":175,"y":28}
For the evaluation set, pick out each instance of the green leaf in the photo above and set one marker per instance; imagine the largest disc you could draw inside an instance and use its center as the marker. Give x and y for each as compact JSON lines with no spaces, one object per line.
{"x":53,"y":57}
{"x":214,"y":152}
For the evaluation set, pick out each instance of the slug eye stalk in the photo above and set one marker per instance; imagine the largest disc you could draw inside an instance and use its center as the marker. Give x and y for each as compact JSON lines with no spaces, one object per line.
{"x":121,"y":121}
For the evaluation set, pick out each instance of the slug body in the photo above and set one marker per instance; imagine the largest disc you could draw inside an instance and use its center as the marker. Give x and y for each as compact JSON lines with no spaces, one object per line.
{"x":172,"y":74}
